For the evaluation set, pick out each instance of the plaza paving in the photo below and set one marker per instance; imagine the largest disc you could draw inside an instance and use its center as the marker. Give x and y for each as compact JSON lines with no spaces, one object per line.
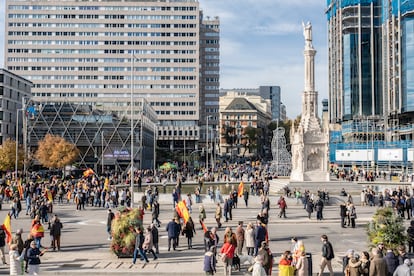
{"x":85,"y":248}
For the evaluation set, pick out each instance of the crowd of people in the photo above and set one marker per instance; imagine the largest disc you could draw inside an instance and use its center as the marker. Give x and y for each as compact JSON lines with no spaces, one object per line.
{"x":247,"y":242}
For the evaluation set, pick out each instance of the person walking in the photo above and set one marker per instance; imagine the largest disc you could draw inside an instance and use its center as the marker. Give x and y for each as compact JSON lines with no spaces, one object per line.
{"x":210,"y":261}
{"x":249,"y":239}
{"x":259,"y":236}
{"x":33,"y":258}
{"x":15,"y":260}
{"x":148,"y":242}
{"x":246,"y":196}
{"x":2,"y":243}
{"x":139,"y":241}
{"x":218,"y":215}
{"x":327,"y":255}
{"x":267,"y":257}
{"x":27,"y":243}
{"x":258,"y":269}
{"x":171,"y":230}
{"x":155,"y":237}
{"x":352,"y":214}
{"x":189,"y":231}
{"x":109,"y":220}
{"x":283,"y":206}
{"x":309,"y":208}
{"x":156,"y":213}
{"x":55,"y":232}
{"x":227,"y":254}
{"x":378,"y":266}
{"x":17,"y":239}
{"x":240,"y":238}
{"x":226,"y":209}
{"x":319,"y":209}
{"x":202,"y":215}
{"x":343,"y":214}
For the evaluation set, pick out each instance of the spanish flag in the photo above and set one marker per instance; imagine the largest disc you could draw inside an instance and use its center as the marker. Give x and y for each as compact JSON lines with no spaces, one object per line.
{"x":241,"y":189}
{"x":20,"y":188}
{"x":7,"y":228}
{"x":88,"y":172}
{"x":182,"y":211}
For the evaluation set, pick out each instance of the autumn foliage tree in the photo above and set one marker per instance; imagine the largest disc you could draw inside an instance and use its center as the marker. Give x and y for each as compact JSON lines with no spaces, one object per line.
{"x":8,"y":155}
{"x":55,"y":152}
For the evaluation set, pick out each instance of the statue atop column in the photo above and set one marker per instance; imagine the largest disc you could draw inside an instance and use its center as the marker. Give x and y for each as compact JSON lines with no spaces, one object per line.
{"x":307,"y":33}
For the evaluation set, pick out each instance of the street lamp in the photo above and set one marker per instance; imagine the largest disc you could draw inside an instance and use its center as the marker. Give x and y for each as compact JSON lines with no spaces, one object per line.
{"x":155,"y":146}
{"x":132,"y":129}
{"x":17,"y":142}
{"x":208,"y":117}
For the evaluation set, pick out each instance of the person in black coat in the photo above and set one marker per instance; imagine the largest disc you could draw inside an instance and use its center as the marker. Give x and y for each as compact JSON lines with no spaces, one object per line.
{"x":246,"y":196}
{"x":189,"y":231}
{"x":391,"y":260}
{"x":343,"y":214}
{"x":309,"y":208}
{"x":33,"y":258}
{"x":155,"y":238}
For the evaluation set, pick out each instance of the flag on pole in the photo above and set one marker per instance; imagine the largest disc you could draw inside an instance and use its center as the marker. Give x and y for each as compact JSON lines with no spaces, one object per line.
{"x":182,"y":211}
{"x":7,"y":228}
{"x":88,"y":172}
{"x":241,"y":189}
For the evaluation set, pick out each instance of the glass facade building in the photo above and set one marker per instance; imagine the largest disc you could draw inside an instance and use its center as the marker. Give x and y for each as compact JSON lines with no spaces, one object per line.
{"x":371,"y":74}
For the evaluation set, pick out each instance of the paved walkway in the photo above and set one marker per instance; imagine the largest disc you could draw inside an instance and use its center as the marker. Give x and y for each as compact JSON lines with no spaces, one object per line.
{"x":85,"y":249}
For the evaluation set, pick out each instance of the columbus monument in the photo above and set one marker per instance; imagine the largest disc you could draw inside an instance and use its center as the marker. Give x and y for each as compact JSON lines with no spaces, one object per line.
{"x":309,"y":141}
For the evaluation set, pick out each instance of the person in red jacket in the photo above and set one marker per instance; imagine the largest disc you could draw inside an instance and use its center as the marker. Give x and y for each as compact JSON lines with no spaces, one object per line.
{"x":227,"y":254}
{"x":282,"y":205}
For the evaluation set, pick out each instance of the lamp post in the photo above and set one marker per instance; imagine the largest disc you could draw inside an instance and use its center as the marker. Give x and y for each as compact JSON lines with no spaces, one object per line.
{"x":17,"y":142}
{"x":155,"y":147}
{"x":102,"y":149}
{"x":207,"y":143}
{"x":132,"y":130}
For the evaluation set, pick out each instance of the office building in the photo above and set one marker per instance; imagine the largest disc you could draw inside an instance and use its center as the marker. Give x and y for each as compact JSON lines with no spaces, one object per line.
{"x":271,"y":93}
{"x":14,"y":90}
{"x":239,"y":110}
{"x":371,"y":83}
{"x":162,"y":51}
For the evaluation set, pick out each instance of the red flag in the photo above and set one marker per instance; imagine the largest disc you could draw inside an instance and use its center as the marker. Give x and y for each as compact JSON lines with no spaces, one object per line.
{"x":7,"y":228}
{"x":241,"y":189}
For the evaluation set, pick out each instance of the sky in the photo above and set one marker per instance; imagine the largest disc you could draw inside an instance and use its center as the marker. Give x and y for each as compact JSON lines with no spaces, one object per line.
{"x":262,"y":43}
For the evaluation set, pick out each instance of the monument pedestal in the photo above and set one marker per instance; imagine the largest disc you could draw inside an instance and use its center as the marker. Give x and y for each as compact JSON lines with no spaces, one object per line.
{"x":309,"y":140}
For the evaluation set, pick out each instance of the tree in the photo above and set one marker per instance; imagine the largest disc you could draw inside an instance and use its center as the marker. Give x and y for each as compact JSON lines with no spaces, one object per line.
{"x":55,"y":152}
{"x":229,"y":135}
{"x":8,"y":155}
{"x":250,"y":139}
{"x":386,"y":227}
